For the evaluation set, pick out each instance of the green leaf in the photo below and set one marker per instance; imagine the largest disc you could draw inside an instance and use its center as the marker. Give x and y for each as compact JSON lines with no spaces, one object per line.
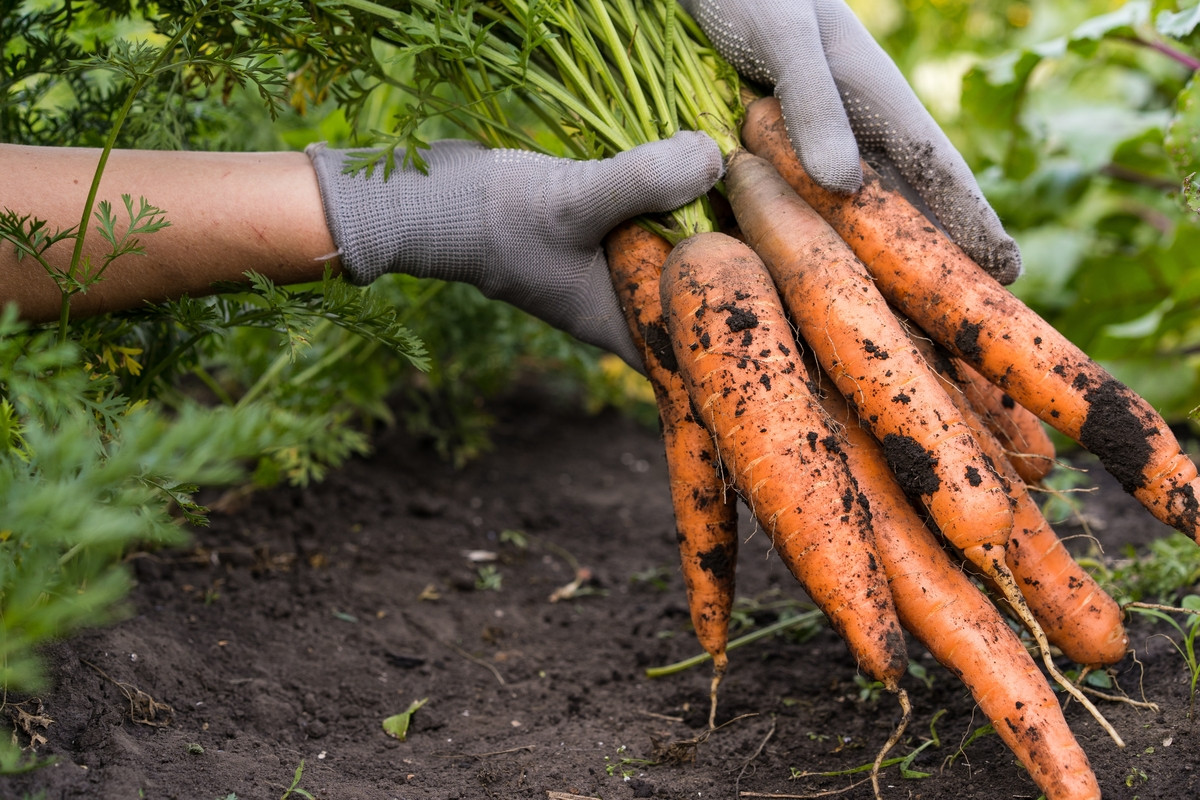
{"x":397,"y":724}
{"x":1124,"y":22}
{"x":1183,"y":132}
{"x":1142,"y":326}
{"x":1191,"y":194}
{"x":1178,"y":25}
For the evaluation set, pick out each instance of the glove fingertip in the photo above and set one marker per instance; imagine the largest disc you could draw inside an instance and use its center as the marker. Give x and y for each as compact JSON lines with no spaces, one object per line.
{"x":1000,"y":259}
{"x":824,"y":142}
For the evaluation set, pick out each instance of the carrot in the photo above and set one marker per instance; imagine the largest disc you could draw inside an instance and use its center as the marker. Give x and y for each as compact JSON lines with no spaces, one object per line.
{"x":921,"y":272}
{"x":740,"y":364}
{"x":705,"y":511}
{"x":1026,"y":443}
{"x":870,"y":358}
{"x":1077,"y":615}
{"x":944,"y":611}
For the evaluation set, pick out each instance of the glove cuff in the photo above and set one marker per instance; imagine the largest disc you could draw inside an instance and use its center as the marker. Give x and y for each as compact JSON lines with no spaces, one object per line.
{"x":401,"y":224}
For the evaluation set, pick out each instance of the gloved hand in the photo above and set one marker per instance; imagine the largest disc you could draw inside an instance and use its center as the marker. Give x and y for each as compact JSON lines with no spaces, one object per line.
{"x":841,"y":97}
{"x":523,"y":227}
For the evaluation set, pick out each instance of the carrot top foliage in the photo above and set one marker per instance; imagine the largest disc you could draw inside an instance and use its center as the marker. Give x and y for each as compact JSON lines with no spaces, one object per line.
{"x":588,"y":78}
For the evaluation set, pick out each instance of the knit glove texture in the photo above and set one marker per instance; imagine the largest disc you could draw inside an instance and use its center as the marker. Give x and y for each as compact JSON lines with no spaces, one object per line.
{"x":843,"y":97}
{"x":524,"y":228}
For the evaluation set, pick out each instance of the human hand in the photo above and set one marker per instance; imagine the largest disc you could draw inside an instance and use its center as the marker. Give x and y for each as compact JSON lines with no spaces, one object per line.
{"x":842,"y":98}
{"x":523,"y":227}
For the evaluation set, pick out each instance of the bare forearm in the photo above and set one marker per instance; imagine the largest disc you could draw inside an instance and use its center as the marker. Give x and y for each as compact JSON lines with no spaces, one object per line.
{"x":229,"y":213}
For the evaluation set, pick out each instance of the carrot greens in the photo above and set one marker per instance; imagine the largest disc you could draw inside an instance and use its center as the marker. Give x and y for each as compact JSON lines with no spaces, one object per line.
{"x":603,"y":76}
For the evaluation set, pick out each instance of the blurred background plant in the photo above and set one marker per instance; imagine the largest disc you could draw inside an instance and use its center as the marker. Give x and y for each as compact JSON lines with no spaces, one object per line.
{"x":1080,"y":118}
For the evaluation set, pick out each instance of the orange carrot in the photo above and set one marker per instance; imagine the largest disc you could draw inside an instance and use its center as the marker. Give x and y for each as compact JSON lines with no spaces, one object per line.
{"x":869,"y":355}
{"x":705,"y":510}
{"x":939,"y":605}
{"x":740,"y":364}
{"x":1025,"y":441}
{"x":859,"y":343}
{"x":1078,"y":616}
{"x":931,"y":280}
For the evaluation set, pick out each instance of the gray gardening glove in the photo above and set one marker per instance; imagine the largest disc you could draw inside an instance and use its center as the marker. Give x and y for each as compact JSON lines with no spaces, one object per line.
{"x":523,"y":227}
{"x":841,"y":96}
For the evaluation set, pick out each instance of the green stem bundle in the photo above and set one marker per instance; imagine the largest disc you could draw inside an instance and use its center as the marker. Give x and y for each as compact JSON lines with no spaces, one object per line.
{"x":604,"y":75}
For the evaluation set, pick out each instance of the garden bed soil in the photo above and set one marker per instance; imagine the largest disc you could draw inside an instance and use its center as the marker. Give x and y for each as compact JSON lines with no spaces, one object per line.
{"x":286,"y":632}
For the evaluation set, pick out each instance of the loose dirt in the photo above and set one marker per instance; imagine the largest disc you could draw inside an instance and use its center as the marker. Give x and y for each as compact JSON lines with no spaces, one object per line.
{"x":286,"y":632}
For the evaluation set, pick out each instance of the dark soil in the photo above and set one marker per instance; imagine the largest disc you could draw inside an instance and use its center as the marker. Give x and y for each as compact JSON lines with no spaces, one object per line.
{"x":293,"y":626}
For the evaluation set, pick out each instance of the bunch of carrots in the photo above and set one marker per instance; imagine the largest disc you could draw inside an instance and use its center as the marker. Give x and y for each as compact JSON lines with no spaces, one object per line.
{"x":869,"y":391}
{"x":872,"y":395}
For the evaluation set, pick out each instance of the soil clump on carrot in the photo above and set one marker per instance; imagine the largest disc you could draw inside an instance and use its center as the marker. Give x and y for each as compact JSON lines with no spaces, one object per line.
{"x":1114,"y":433}
{"x":912,"y":464}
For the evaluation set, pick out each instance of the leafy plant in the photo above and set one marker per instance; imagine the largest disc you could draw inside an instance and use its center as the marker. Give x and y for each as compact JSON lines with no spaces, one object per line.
{"x":295,"y":788}
{"x":1087,"y":144}
{"x":488,"y":578}
{"x":1166,"y":568}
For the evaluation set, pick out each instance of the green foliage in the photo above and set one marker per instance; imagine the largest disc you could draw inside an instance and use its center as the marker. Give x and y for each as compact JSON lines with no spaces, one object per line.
{"x":1079,"y":119}
{"x":1165,"y":569}
{"x":295,"y":788}
{"x":1086,"y":144}
{"x":84,"y":477}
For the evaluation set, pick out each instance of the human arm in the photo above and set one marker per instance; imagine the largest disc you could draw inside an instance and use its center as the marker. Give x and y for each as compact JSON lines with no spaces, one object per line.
{"x":230,"y":213}
{"x":842,"y":98}
{"x":524,"y":228}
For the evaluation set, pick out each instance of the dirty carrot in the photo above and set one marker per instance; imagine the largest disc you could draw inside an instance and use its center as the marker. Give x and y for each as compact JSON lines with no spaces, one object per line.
{"x":705,"y":509}
{"x":740,"y":364}
{"x":868,"y":354}
{"x":1077,"y":615}
{"x":1027,"y":445}
{"x":931,"y":280}
{"x":872,"y":360}
{"x":944,"y":611}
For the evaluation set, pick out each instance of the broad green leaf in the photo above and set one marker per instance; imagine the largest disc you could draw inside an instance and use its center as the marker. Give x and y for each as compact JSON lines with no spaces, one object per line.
{"x":1179,"y":24}
{"x":1142,"y":326}
{"x":1183,"y":133}
{"x":397,"y":724}
{"x":1092,"y":132}
{"x":1191,"y":194}
{"x":1051,"y":255}
{"x":992,"y":98}
{"x":1125,"y":21}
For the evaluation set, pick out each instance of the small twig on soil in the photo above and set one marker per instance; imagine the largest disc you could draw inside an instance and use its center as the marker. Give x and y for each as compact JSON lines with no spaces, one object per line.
{"x":488,"y":755}
{"x":757,"y":751}
{"x":142,"y":707}
{"x":451,"y":645}
{"x":1161,"y":607}
{"x":569,"y":796}
{"x":827,"y":793}
{"x":659,"y":716}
